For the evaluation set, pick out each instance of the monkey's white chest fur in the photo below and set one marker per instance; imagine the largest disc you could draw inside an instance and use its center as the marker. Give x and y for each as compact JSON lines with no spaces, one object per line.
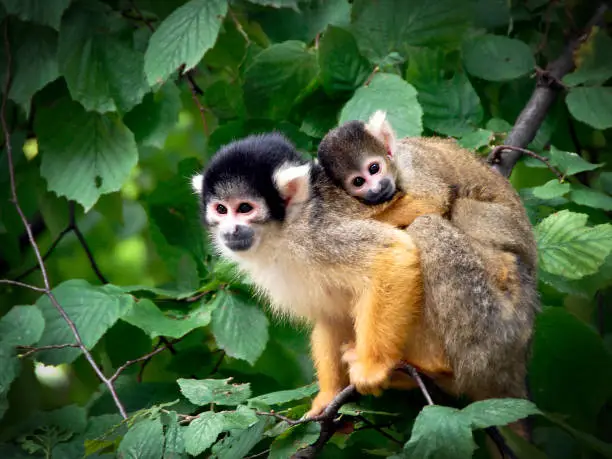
{"x":295,"y":285}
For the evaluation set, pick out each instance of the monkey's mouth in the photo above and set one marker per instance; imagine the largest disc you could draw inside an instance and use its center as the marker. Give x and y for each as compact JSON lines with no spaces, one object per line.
{"x":238,"y":244}
{"x":385,"y":194}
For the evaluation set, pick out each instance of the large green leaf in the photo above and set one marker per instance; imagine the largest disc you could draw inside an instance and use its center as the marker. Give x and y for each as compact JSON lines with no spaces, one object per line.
{"x":570,"y":163}
{"x":102,"y":72}
{"x":593,"y":60}
{"x":145,"y":440}
{"x":40,"y":11}
{"x":392,"y":94}
{"x":570,"y":370}
{"x":93,"y":310}
{"x":592,"y":106}
{"x":498,"y":412}
{"x":276,"y":77}
{"x":35,"y":62}
{"x":174,"y":447}
{"x":343,"y":68}
{"x":277,"y":3}
{"x":591,"y":198}
{"x":497,"y":58}
{"x":183,"y":38}
{"x":21,"y":326}
{"x":84,"y":154}
{"x":386,"y":26}
{"x":174,"y":324}
{"x":203,"y":431}
{"x":440,"y":432}
{"x":567,"y":247}
{"x":238,"y":443}
{"x":284,"y":396}
{"x":551,"y":189}
{"x":240,"y":329}
{"x":218,"y":391}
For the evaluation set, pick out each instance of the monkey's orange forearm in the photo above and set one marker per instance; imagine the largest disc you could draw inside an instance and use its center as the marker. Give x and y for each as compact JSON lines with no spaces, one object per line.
{"x":405,"y":210}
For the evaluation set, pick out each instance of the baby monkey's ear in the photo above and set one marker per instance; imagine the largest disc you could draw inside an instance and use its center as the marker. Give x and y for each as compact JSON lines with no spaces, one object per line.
{"x":293,"y":183}
{"x":381,"y":129}
{"x":197,"y":183}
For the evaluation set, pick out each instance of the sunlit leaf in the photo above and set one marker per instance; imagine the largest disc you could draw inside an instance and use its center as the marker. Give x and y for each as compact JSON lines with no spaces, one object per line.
{"x":497,"y":58}
{"x":219,"y":391}
{"x":592,"y":106}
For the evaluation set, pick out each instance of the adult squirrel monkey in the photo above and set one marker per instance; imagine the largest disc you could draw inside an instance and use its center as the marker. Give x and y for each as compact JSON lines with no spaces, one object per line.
{"x":293,"y":232}
{"x":479,"y":262}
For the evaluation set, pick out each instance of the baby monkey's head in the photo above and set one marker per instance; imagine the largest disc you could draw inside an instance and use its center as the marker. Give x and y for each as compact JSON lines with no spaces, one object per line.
{"x":358,"y":157}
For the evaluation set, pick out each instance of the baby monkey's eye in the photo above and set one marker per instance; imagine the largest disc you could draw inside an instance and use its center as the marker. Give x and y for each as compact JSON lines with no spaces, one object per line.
{"x":358,"y":181}
{"x":221,"y":209}
{"x":245,"y":208}
{"x":374,"y":168}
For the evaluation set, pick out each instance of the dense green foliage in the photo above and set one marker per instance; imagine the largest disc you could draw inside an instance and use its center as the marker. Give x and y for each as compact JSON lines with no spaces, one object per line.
{"x":106,"y":132}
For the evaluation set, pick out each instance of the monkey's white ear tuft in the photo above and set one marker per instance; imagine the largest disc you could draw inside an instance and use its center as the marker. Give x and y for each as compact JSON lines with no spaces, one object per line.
{"x":379,"y":127}
{"x":293,"y":182}
{"x":197,"y":183}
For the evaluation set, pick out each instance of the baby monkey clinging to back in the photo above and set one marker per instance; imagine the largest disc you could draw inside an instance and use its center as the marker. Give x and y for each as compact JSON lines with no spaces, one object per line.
{"x":479,"y":262}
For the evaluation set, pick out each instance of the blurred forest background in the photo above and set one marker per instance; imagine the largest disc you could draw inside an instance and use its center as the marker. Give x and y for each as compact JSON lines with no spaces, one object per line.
{"x":110,"y":106}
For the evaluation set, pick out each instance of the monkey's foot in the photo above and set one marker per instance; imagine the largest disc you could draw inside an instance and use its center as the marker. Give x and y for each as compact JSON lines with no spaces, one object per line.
{"x":319,"y":403}
{"x":369,"y":377}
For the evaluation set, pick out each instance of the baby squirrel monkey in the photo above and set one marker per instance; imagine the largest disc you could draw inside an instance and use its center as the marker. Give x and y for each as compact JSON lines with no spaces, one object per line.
{"x":295,"y":235}
{"x":479,"y":263}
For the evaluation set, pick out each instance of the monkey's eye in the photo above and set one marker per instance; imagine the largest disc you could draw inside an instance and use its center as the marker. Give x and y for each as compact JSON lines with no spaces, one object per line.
{"x":221,"y":209}
{"x":374,"y":168}
{"x":358,"y":181}
{"x":244,"y":208}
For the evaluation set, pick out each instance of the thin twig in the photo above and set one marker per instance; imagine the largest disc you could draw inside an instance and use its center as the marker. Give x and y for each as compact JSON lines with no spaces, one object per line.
{"x":31,"y":350}
{"x":409,"y":369}
{"x":495,"y":158}
{"x":239,"y":26}
{"x":132,"y":362}
{"x":22,"y":284}
{"x":218,"y":364}
{"x":379,"y":430}
{"x":142,"y":16}
{"x":253,"y":456}
{"x":371,"y":76}
{"x":49,"y":251}
{"x":24,"y":220}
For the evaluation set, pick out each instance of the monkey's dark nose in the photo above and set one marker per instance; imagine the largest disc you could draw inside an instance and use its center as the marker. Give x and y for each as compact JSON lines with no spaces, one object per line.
{"x":241,"y":238}
{"x":384,"y":194}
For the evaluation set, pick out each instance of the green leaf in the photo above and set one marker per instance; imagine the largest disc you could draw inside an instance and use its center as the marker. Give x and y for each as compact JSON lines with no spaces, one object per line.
{"x":277,"y":3}
{"x":385,"y":26}
{"x":570,"y":163}
{"x":11,"y":366}
{"x":284,"y":396}
{"x":403,"y":110}
{"x":40,"y":11}
{"x":451,"y":107}
{"x":203,"y":431}
{"x":174,"y":447}
{"x":145,"y":440}
{"x":219,"y":391}
{"x":476,"y":139}
{"x":569,"y":376}
{"x":567,"y":247}
{"x":498,"y":412}
{"x":152,"y":120}
{"x":102,"y":72}
{"x":551,"y":189}
{"x":276,"y":77}
{"x":149,"y":318}
{"x":240,"y":329}
{"x":343,"y":68}
{"x":294,"y":439}
{"x":35,"y":63}
{"x":239,"y":442}
{"x":440,"y":432}
{"x":21,"y":326}
{"x":497,"y":58}
{"x":84,"y":154}
{"x":592,"y":106}
{"x":593,"y":60}
{"x":591,"y":198}
{"x":183,"y":38}
{"x":93,"y":310}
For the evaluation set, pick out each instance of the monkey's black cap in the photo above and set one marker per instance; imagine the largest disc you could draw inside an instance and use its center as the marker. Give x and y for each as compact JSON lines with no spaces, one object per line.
{"x":251,"y":163}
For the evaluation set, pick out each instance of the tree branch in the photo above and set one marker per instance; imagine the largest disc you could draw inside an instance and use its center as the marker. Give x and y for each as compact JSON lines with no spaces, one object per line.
{"x":496,"y":154}
{"x":29,"y":350}
{"x":43,"y":269}
{"x":129,"y":363}
{"x":548,"y":87}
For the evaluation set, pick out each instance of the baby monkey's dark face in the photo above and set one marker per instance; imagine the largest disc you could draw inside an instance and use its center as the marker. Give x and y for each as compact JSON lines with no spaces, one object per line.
{"x":372,"y":180}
